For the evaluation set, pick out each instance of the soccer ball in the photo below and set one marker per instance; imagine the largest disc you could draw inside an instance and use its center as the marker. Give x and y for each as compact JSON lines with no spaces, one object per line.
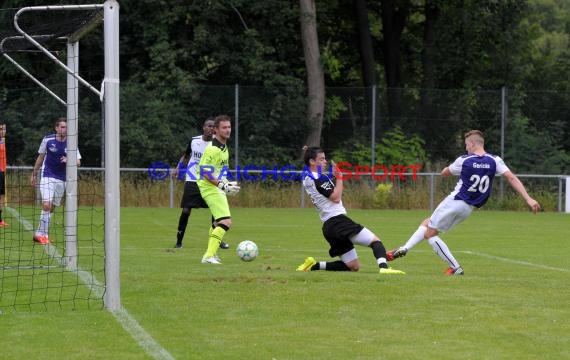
{"x":247,"y":250}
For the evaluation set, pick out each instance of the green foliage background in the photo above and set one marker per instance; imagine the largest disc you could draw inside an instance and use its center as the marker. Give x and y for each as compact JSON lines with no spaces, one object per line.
{"x":181,"y":61}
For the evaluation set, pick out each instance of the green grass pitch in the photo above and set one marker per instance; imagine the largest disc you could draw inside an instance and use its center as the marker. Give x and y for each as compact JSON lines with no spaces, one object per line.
{"x":512,"y":303}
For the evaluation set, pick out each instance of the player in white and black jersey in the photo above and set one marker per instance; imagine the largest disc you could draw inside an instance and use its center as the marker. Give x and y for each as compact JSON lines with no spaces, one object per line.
{"x":340,"y":231}
{"x":476,"y":172}
{"x":191,"y":198}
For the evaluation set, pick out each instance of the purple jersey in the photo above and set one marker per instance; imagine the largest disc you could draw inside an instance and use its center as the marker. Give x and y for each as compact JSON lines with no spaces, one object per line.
{"x":55,"y":151}
{"x":476,"y":174}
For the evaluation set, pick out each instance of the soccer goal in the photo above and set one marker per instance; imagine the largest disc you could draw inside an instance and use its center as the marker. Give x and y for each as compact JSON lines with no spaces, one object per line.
{"x":30,"y":272}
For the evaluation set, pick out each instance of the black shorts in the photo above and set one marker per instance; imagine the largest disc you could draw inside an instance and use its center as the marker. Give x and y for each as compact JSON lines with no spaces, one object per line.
{"x":191,"y":199}
{"x":2,"y":184}
{"x":338,"y":230}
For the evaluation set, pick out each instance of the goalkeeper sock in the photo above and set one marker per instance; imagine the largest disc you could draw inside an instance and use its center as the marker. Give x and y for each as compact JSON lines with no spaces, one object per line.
{"x":215,"y":239}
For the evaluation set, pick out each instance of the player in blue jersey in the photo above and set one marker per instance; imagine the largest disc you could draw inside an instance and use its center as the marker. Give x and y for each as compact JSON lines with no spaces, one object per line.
{"x":191,"y":198}
{"x":476,"y":172}
{"x":340,"y":231}
{"x":52,"y":159}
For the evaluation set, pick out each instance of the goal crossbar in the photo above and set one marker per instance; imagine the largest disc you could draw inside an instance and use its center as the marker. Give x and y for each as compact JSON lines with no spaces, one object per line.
{"x":72,"y":37}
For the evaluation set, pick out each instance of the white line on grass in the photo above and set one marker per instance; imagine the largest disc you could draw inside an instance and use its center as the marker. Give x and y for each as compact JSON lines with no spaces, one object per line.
{"x":518,"y":262}
{"x":128,"y":322}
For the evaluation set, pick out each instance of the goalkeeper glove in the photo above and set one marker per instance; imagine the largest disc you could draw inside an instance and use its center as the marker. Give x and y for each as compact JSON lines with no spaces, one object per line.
{"x":229,"y":187}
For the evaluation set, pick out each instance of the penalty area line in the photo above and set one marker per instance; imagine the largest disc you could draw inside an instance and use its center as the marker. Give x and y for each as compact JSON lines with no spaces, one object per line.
{"x":518,"y":262}
{"x":123,"y":317}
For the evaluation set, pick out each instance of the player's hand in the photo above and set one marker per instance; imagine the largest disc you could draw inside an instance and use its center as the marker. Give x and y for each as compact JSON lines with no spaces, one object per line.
{"x":229,"y":187}
{"x":334,"y":168}
{"x":534,"y":205}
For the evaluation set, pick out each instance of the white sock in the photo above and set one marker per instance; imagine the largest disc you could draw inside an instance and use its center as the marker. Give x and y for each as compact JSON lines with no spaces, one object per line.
{"x":416,"y":237}
{"x":441,"y":249}
{"x":322,"y":265}
{"x":381,"y":261}
{"x":43,"y":228}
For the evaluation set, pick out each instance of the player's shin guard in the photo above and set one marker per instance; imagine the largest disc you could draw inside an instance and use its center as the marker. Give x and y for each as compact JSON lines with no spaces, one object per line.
{"x":215,"y":239}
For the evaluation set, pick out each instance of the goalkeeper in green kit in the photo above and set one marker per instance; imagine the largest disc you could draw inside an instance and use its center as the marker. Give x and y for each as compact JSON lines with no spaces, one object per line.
{"x":214,"y":186}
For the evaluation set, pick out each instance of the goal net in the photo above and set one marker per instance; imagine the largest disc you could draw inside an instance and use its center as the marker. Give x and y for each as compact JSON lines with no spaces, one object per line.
{"x":40,"y":53}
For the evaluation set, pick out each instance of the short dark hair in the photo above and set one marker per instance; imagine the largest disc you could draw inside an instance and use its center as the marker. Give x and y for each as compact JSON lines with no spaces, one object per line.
{"x":60,"y":120}
{"x":311,"y":152}
{"x":221,"y":118}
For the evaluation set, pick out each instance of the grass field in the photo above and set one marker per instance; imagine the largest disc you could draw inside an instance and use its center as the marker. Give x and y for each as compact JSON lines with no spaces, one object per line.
{"x":512,"y":303}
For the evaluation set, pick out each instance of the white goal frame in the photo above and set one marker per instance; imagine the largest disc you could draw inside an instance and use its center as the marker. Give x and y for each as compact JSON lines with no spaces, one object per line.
{"x":109,"y":95}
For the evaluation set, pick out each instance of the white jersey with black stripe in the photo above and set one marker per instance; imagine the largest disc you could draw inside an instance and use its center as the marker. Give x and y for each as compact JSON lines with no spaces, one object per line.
{"x":319,"y":187}
{"x":195,"y":150}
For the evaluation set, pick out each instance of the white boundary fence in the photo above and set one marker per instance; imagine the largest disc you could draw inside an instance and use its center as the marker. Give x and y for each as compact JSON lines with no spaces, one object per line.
{"x":563,"y":187}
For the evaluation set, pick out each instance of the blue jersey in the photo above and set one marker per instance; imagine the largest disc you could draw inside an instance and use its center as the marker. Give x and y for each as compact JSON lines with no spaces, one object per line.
{"x":55,"y":157}
{"x":476,"y":174}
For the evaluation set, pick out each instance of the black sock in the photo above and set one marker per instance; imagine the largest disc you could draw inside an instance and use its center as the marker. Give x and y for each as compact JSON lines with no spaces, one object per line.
{"x":379,"y":252}
{"x":182,"y":223}
{"x":335,"y":266}
{"x":0,"y":214}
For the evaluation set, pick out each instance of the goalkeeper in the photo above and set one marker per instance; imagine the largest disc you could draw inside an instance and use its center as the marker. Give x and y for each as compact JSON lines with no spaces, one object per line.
{"x":214,"y":188}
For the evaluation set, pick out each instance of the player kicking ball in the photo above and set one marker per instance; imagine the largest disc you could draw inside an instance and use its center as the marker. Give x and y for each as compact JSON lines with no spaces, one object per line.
{"x":476,"y":172}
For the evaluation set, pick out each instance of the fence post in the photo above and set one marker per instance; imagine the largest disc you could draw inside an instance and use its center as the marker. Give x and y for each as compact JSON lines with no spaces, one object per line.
{"x":504,"y":115}
{"x":373,"y":130}
{"x":431,"y":190}
{"x":567,"y":208}
{"x":236,"y":125}
{"x":171,"y":190}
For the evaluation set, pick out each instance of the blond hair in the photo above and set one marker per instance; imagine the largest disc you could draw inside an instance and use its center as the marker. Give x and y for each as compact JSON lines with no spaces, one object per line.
{"x":476,"y":136}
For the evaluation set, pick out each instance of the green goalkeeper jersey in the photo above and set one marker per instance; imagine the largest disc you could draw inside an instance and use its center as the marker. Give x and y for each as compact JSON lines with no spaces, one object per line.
{"x":214,"y":161}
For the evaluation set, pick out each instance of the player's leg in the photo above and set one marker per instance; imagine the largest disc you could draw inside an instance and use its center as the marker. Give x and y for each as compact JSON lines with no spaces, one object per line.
{"x":218,"y":204}
{"x":415,"y":239}
{"x":451,"y":213}
{"x":223,"y":245}
{"x":367,"y":238}
{"x":336,"y":234}
{"x":182,"y":224}
{"x":348,"y":262}
{"x":47,"y":191}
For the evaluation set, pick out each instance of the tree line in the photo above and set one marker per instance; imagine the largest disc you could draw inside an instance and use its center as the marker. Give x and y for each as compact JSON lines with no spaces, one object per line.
{"x":306,"y":72}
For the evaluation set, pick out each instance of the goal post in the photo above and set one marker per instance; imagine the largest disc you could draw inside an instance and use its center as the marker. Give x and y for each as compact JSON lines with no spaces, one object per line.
{"x":109,"y":95}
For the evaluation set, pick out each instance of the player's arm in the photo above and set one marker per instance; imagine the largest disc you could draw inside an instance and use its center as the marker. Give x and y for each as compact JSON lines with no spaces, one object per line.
{"x":37,"y":166}
{"x":336,"y":195}
{"x":446,"y":172}
{"x":516,"y":184}
{"x":453,"y":169}
{"x":183,"y":159}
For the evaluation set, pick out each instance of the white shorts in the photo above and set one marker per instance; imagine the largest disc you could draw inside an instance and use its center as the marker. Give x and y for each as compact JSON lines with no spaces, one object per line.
{"x":449,"y":213}
{"x":364,"y":238}
{"x":52,"y":190}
